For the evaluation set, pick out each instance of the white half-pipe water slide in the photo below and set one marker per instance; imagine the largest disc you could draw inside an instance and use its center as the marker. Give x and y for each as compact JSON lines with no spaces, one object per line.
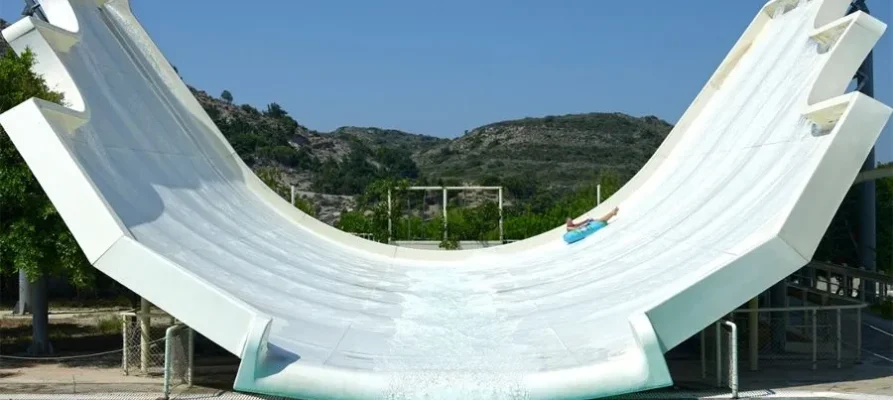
{"x":735,"y":199}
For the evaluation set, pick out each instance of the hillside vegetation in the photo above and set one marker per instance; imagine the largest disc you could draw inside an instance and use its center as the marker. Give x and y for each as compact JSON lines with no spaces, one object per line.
{"x":550,"y":153}
{"x":557,"y":151}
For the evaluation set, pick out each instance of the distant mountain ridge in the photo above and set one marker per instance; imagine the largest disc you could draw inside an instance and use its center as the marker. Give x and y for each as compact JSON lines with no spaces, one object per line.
{"x":559,"y":151}
{"x":556,"y":152}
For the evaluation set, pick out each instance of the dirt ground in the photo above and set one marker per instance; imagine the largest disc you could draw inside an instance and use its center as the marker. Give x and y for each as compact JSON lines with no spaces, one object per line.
{"x":87,"y":356}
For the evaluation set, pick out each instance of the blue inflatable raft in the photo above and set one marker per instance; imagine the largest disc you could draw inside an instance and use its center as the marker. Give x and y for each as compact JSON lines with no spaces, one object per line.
{"x":578,"y":234}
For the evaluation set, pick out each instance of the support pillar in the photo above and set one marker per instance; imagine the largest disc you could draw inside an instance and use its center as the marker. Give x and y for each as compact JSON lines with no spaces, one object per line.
{"x":778,"y":328}
{"x":867,"y":192}
{"x":145,"y":325}
{"x":753,"y":331}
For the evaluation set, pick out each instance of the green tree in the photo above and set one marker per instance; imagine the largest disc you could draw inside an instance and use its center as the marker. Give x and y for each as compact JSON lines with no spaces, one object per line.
{"x":33,"y":237}
{"x":227,"y":96}
{"x":270,"y":177}
{"x":274,"y":110}
{"x":371,"y":215}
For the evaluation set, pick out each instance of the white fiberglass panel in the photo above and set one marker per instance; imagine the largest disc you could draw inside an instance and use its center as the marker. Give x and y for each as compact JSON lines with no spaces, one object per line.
{"x":351,"y":319}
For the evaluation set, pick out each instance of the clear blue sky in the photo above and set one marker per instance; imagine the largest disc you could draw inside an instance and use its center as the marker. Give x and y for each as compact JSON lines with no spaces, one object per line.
{"x":440,"y":68}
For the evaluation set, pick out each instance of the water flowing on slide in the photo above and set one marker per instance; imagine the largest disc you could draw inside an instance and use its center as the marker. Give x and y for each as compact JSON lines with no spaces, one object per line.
{"x":735,"y":199}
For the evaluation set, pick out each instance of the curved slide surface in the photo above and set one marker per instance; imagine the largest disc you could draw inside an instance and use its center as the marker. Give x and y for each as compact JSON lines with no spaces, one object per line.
{"x":735,"y":199}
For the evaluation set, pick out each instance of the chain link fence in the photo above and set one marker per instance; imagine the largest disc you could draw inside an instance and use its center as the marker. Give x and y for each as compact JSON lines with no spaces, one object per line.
{"x":153,"y":349}
{"x":108,"y":342}
{"x":143,"y":343}
{"x":795,"y":337}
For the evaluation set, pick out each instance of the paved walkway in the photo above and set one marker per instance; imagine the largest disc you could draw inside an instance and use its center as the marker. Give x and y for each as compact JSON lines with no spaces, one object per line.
{"x":874,"y":376}
{"x":57,"y":382}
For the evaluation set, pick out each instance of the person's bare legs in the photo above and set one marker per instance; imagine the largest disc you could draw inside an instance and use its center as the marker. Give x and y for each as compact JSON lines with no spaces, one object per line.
{"x":609,"y":215}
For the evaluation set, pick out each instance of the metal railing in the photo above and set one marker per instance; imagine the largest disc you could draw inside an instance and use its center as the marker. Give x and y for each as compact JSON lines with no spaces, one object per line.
{"x":174,"y":360}
{"x":844,"y":281}
{"x":733,"y":355}
{"x":810,"y":336}
{"x":732,"y":362}
{"x":820,"y":327}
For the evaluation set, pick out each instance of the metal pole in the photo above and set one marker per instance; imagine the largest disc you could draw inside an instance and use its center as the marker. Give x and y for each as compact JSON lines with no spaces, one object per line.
{"x":778,"y":329}
{"x":598,"y":194}
{"x":501,"y":229}
{"x":786,"y":316}
{"x":858,"y":334}
{"x":813,"y":281}
{"x":753,"y":333}
{"x":125,"y":353}
{"x":733,"y":358}
{"x":145,"y":324}
{"x":837,"y":350}
{"x":862,"y":287}
{"x":292,"y":195}
{"x":390,"y":228}
{"x":445,"y":223}
{"x":718,"y":354}
{"x":190,"y":348}
{"x":703,"y":354}
{"x":814,"y":338}
{"x":168,"y":336}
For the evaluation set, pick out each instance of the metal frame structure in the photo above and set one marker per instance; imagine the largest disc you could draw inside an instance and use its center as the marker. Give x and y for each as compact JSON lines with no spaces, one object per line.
{"x":445,"y":190}
{"x":33,"y":9}
{"x":873,"y":287}
{"x":867,"y":239}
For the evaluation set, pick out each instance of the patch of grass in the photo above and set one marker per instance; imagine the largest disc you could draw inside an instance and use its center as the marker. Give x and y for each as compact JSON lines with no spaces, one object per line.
{"x":116,"y":302}
{"x":108,"y":325}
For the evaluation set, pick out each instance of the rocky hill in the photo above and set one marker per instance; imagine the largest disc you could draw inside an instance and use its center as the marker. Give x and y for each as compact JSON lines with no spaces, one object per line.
{"x":375,"y":137}
{"x":555,"y":150}
{"x":551,"y":152}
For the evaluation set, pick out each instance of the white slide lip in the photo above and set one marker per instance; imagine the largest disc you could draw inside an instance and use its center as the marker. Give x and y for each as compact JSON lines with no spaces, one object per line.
{"x":37,"y":127}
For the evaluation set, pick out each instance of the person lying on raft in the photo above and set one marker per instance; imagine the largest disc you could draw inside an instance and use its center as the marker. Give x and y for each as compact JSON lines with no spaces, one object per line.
{"x":570,"y":225}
